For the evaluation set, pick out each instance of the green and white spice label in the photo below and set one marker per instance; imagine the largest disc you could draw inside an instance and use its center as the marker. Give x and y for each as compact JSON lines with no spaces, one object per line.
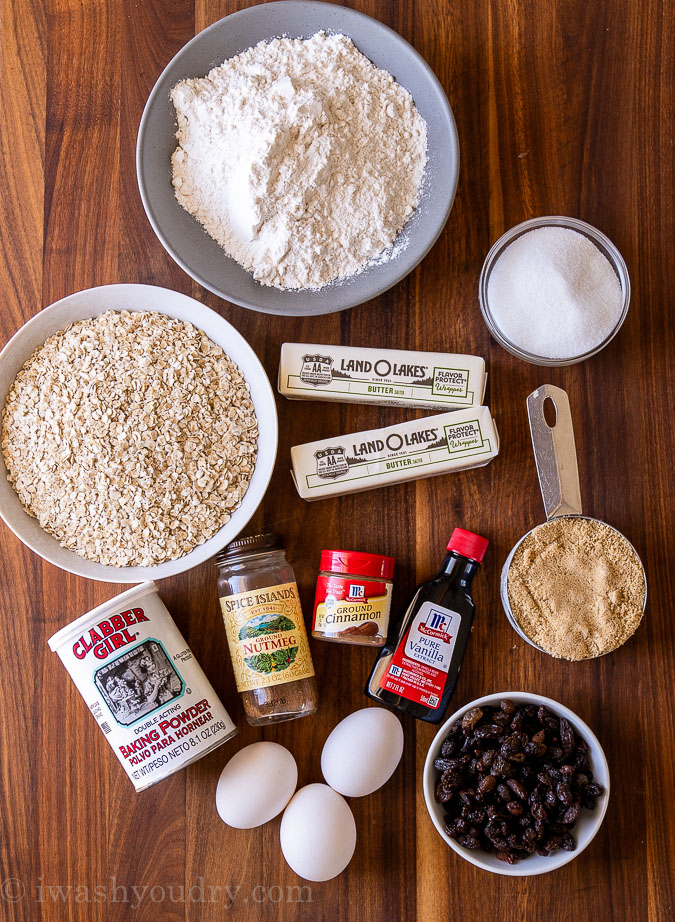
{"x":267,"y":637}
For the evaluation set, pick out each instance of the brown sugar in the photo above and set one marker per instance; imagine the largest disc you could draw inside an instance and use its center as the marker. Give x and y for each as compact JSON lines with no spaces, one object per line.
{"x":576,"y":588}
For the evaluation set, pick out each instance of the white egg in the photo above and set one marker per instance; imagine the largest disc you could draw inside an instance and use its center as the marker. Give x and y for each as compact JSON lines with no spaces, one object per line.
{"x":318,"y":833}
{"x":362,"y":752}
{"x":255,"y":785}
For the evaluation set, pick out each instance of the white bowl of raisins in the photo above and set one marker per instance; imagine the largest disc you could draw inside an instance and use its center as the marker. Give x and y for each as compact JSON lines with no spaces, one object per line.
{"x":516,"y":783}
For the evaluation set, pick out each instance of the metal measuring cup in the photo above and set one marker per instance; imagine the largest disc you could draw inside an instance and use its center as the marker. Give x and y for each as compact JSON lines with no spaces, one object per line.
{"x":556,"y":459}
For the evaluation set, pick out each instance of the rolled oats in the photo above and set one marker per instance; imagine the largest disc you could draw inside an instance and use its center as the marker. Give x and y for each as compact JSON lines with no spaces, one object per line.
{"x":131,"y":437}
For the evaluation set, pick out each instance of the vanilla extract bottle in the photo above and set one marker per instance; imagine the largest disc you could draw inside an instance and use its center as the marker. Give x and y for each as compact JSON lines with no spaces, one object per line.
{"x":418,"y":667}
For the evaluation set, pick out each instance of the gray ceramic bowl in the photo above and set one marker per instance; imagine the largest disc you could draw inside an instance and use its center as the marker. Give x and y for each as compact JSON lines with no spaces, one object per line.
{"x":197,"y":253}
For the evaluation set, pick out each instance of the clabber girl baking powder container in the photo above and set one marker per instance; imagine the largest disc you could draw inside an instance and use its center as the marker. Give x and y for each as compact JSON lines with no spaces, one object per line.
{"x":141,"y":682}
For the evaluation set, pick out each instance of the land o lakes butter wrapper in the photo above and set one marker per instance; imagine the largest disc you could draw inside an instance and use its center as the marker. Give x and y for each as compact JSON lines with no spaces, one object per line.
{"x":385,"y":377}
{"x":407,"y":451}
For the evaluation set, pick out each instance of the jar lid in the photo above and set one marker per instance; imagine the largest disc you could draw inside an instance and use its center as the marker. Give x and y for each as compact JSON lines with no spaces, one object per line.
{"x":359,"y":563}
{"x":270,"y":541}
{"x":468,"y":544}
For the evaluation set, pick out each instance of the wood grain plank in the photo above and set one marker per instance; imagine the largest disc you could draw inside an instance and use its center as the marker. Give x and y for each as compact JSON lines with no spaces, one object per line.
{"x":150,"y":34}
{"x":22,"y":147}
{"x":81,"y":221}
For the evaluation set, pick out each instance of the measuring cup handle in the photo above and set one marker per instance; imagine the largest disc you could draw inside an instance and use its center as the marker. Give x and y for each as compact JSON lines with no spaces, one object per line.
{"x":555,"y":452}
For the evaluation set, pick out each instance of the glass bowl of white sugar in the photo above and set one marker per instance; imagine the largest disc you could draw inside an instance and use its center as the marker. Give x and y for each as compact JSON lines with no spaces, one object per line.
{"x":554,"y":290}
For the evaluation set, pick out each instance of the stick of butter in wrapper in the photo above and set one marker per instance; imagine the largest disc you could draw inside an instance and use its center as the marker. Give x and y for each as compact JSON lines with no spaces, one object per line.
{"x":386,"y":377}
{"x":407,"y":451}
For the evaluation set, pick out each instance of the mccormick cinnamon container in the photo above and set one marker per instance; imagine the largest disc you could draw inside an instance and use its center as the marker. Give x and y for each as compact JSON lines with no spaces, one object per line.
{"x":353,"y":597}
{"x":144,"y":687}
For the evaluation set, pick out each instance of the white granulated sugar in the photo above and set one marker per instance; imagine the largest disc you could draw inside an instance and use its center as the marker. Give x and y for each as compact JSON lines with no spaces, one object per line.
{"x":301,"y":158}
{"x":554,"y":294}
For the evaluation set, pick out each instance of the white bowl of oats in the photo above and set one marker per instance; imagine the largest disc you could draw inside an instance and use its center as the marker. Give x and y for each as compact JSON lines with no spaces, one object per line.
{"x":139,"y":433}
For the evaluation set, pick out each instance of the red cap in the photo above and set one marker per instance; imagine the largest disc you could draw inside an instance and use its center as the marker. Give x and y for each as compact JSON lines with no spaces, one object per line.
{"x":468,"y":545}
{"x":358,"y":563}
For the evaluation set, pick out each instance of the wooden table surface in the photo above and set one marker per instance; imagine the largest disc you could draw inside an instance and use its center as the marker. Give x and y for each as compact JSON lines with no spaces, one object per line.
{"x":562,"y":108}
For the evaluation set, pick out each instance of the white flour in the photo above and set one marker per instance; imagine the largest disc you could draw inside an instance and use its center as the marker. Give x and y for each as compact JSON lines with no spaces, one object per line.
{"x":301,"y":158}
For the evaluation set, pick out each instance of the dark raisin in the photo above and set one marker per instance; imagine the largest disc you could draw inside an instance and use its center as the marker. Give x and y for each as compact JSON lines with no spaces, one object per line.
{"x":500,"y":765}
{"x":517,"y":788}
{"x":511,"y":744}
{"x":570,"y":815}
{"x":539,"y":811}
{"x":508,"y":857}
{"x":486,"y":758}
{"x":448,"y":748}
{"x":568,"y":842}
{"x":471,"y":718}
{"x":515,"y":808}
{"x":443,"y":795}
{"x":468,"y":841}
{"x":563,"y":793}
{"x":486,"y":732}
{"x":503,"y":792}
{"x":499,"y":843}
{"x":507,"y":706}
{"x":518,"y":720}
{"x":536,"y":795}
{"x":535,"y":749}
{"x":451,"y":778}
{"x":487,"y":784}
{"x":566,"y":734}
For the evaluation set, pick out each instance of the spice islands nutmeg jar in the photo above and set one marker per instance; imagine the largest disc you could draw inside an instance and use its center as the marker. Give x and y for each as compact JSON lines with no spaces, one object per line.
{"x":265,"y":630}
{"x":353,"y":597}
